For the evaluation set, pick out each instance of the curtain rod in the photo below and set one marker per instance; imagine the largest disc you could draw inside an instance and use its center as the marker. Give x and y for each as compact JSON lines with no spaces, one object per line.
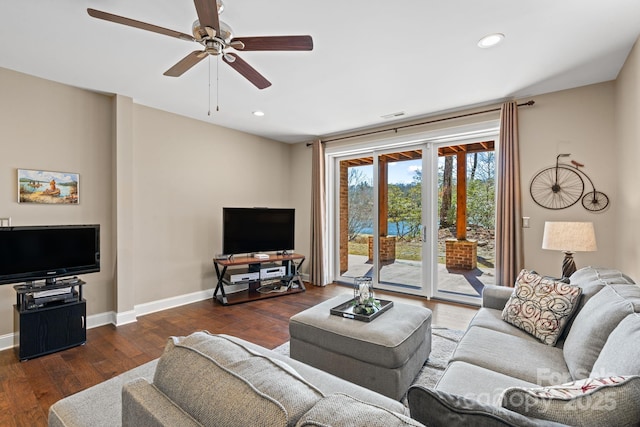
{"x":395,"y":129}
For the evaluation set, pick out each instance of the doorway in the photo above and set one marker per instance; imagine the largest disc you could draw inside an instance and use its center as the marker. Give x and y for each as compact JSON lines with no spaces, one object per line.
{"x":402,"y":214}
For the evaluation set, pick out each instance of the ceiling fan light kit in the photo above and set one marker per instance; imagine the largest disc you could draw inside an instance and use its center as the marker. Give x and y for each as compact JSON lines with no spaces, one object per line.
{"x":217,"y":38}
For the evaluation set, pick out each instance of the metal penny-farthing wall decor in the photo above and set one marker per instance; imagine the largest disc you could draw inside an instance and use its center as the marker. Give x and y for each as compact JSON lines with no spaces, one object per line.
{"x":562,"y":185}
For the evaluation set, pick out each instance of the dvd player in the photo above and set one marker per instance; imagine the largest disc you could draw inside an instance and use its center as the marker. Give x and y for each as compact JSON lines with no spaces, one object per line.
{"x":32,"y":302}
{"x":273,"y":272}
{"x":244,"y":277}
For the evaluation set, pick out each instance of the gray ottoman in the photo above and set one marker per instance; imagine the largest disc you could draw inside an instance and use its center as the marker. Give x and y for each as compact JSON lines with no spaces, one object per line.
{"x":384,"y":355}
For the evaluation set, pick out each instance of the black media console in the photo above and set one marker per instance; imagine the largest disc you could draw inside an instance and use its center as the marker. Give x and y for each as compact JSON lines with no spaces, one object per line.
{"x":49,"y":318}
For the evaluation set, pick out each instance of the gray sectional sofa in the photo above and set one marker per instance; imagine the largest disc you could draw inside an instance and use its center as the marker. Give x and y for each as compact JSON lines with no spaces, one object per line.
{"x":496,"y":362}
{"x":220,"y":380}
{"x":494,"y":378}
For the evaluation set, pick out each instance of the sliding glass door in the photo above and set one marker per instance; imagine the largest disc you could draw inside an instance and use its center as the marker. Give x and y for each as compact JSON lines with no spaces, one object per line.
{"x":466,"y":221}
{"x":381,"y":229}
{"x":417,"y":218}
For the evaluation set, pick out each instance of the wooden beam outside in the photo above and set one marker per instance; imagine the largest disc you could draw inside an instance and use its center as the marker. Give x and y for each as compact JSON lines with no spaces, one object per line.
{"x":461,"y":197}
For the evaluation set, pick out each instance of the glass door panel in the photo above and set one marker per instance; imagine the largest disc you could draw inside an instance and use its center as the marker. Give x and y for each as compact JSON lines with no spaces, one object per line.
{"x":466,"y":221}
{"x":356,"y":217}
{"x":400,"y":241}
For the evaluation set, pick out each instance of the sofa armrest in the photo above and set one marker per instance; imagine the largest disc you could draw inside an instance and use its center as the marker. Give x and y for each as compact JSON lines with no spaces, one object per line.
{"x":145,"y":405}
{"x":495,"y":296}
{"x":440,"y":409}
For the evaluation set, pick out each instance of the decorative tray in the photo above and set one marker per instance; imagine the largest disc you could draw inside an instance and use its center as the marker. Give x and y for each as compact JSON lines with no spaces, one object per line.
{"x":346,"y":310}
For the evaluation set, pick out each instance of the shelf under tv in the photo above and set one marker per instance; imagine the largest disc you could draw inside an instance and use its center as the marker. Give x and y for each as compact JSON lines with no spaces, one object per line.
{"x":295,"y":285}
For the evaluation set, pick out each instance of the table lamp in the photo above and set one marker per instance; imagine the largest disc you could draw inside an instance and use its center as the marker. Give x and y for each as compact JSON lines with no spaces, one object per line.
{"x":569,"y":237}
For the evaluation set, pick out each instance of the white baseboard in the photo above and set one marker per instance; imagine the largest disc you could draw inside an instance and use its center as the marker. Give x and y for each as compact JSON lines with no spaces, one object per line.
{"x":6,"y":341}
{"x":119,"y":319}
{"x":123,"y":318}
{"x":167,"y":303}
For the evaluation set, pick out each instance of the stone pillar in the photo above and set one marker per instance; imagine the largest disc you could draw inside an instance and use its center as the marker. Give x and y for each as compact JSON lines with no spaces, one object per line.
{"x":387,"y":249}
{"x":461,"y":254}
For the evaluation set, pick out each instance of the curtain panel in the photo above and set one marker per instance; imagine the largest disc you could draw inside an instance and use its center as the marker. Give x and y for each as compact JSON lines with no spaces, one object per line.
{"x":318,"y":270}
{"x":509,"y":245}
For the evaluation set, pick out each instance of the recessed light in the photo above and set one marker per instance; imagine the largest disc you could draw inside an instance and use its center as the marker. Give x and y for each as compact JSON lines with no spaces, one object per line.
{"x":393,"y":115}
{"x":258,"y":113}
{"x":490,"y":40}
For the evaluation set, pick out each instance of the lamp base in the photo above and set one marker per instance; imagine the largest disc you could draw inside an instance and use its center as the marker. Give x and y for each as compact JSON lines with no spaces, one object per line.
{"x":568,"y":265}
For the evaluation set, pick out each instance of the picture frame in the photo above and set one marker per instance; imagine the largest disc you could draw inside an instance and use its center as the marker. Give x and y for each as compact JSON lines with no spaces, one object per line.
{"x":46,"y":187}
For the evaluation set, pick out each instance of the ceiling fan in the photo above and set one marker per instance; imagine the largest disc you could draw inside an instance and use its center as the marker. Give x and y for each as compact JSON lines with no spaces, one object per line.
{"x":217,"y":39}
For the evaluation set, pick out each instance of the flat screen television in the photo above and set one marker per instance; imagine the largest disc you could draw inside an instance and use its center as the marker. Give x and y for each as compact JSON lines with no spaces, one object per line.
{"x":253,"y":230}
{"x":31,"y":253}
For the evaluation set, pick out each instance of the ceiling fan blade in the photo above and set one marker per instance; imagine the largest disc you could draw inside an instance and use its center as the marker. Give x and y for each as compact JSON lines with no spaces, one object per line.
{"x":247,"y":71}
{"x":276,"y":43}
{"x":138,"y":24}
{"x":186,"y":63}
{"x":208,"y":14}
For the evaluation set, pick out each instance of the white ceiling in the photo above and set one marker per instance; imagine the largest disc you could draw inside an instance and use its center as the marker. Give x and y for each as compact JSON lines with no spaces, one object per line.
{"x":370,"y":57}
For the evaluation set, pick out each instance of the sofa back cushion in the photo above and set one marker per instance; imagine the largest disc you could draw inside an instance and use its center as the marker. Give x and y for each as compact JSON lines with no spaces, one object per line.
{"x":620,"y":354}
{"x":219,"y":382}
{"x":593,"y":324}
{"x":592,"y":280}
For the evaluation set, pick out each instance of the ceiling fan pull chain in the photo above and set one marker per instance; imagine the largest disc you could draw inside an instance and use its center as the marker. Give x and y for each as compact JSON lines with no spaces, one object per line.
{"x":209,"y":60}
{"x":217,"y":83}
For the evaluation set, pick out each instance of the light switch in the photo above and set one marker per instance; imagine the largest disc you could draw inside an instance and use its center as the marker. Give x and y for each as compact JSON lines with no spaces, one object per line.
{"x":525,"y":222}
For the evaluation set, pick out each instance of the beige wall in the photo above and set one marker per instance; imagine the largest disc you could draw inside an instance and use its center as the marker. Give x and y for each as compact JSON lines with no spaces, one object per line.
{"x":299,"y":189}
{"x":50,"y":126}
{"x":580,"y":122}
{"x":185,"y":172}
{"x":162,"y":178}
{"x":627,"y":165}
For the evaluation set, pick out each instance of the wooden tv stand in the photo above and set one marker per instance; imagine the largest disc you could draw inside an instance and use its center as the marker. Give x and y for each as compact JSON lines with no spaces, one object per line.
{"x":293,"y":262}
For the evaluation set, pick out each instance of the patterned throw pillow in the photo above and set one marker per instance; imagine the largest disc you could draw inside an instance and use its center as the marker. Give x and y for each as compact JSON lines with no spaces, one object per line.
{"x":610,"y":401}
{"x":541,"y":306}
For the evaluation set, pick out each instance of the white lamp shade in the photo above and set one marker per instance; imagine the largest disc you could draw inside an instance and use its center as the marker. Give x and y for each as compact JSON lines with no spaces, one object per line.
{"x":569,"y":236}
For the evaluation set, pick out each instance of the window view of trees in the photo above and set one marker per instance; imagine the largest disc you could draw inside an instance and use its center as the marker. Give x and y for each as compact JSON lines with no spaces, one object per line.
{"x":480,"y":190}
{"x":360,"y":203}
{"x":404,"y":199}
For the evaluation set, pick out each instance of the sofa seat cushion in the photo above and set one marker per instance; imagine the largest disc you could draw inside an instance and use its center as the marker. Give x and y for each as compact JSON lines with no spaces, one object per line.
{"x":342,"y":410}
{"x":490,"y":318}
{"x":505,"y":353}
{"x":611,"y":401}
{"x":203,"y":373}
{"x":479,"y":384}
{"x":437,"y":408}
{"x":621,"y":352}
{"x":541,"y":306}
{"x":593,"y":324}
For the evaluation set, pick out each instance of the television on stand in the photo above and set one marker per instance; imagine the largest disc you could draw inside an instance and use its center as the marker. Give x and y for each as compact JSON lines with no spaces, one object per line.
{"x":34,"y":253}
{"x":257,"y":230}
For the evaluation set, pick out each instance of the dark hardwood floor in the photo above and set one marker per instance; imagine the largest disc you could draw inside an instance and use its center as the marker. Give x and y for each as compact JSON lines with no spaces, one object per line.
{"x":27,"y":389}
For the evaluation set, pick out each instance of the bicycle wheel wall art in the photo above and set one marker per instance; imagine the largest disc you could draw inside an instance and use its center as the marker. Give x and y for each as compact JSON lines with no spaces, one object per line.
{"x":562,"y":185}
